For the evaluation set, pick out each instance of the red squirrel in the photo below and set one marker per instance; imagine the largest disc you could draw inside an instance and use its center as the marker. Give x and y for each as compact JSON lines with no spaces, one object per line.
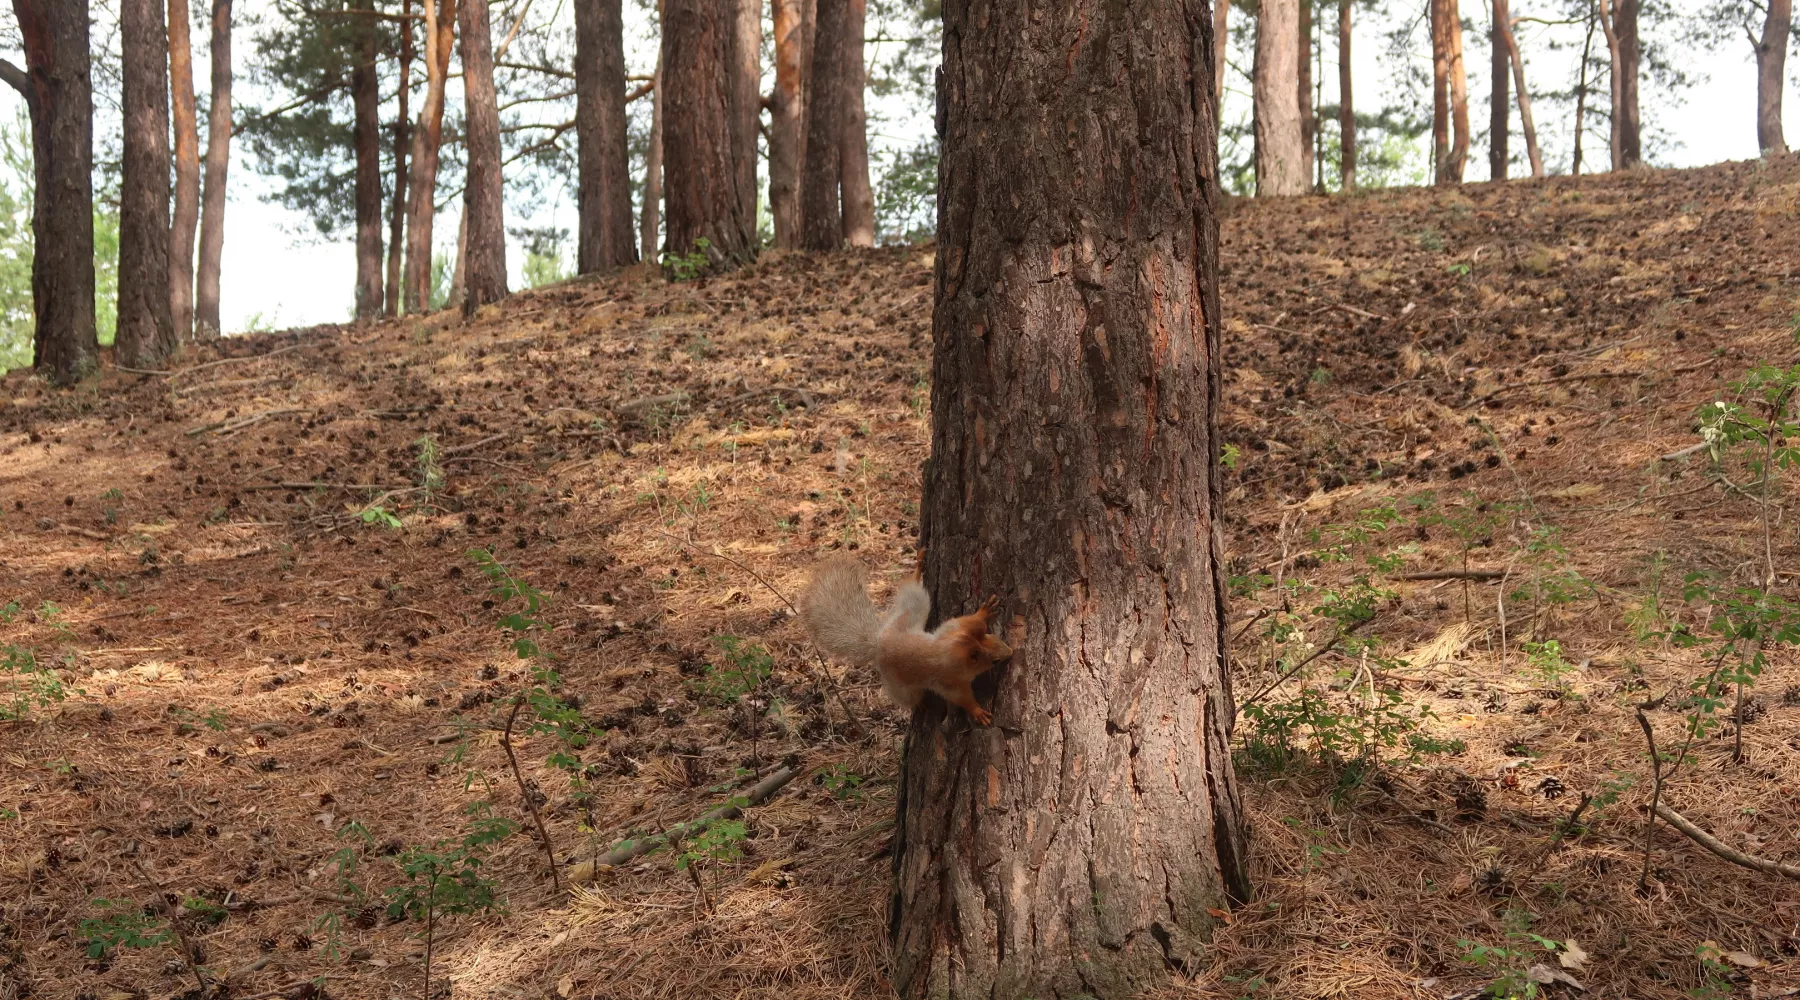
{"x":844,"y":622}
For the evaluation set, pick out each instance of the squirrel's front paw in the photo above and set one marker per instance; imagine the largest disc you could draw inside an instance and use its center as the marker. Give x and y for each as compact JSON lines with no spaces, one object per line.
{"x":982,"y":716}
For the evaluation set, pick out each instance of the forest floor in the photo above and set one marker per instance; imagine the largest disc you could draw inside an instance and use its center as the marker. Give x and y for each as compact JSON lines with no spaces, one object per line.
{"x":256,"y":592}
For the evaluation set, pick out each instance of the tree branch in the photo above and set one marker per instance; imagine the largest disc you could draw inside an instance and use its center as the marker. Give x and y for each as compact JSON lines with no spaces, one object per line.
{"x":1713,"y":844}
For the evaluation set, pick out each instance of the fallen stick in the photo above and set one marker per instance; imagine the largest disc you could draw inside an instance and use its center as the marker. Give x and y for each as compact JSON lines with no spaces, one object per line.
{"x":1681,"y":452}
{"x":1451,"y":574}
{"x":1713,"y":844}
{"x":239,"y":423}
{"x":230,"y":361}
{"x":630,"y":849}
{"x":471,"y":446}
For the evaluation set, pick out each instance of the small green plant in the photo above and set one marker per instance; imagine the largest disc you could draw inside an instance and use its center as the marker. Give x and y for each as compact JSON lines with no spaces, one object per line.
{"x":26,"y":684}
{"x":1546,"y":663}
{"x":380,"y":514}
{"x":1229,"y":456}
{"x":722,"y":841}
{"x":744,"y":666}
{"x":447,"y":876}
{"x":1459,"y":270}
{"x":430,"y":474}
{"x":205,"y":910}
{"x":688,"y":266}
{"x":9,"y":612}
{"x":842,"y":782}
{"x":120,"y":923}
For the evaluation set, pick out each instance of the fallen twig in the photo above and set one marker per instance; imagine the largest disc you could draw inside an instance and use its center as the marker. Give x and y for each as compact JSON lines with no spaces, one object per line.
{"x":1291,"y":671}
{"x":1452,"y":574}
{"x":627,"y":850}
{"x":525,"y":792}
{"x":239,"y":423}
{"x":188,"y":954}
{"x":1731,"y":854}
{"x":230,"y":361}
{"x":472,"y":445}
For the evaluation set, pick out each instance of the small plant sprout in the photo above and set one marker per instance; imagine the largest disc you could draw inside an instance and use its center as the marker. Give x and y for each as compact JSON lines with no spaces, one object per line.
{"x":379,"y":514}
{"x":430,"y":473}
{"x":722,"y":841}
{"x":121,"y":923}
{"x":447,"y":877}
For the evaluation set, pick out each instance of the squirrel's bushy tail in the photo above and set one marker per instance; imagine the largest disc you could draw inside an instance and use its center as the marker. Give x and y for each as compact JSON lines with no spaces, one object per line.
{"x":838,"y":613}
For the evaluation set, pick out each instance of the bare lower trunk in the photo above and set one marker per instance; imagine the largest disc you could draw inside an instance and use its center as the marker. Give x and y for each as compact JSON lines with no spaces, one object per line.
{"x":1440,"y":94}
{"x":1459,"y":95}
{"x":1280,"y":162}
{"x":787,"y":117}
{"x":1499,"y":111}
{"x":365,"y":96}
{"x":185,"y":119}
{"x":421,"y":209}
{"x":702,"y":178}
{"x":1615,"y":79}
{"x":146,"y":330}
{"x":1089,"y":842}
{"x":606,"y":239}
{"x":853,"y":164}
{"x":1221,"y":36}
{"x":1450,"y":93}
{"x":821,"y":215}
{"x":397,"y":213}
{"x":60,"y":96}
{"x":1304,"y":92}
{"x":484,"y":193}
{"x":1630,"y":144}
{"x":746,"y":102}
{"x":1771,"y":76}
{"x":650,"y":220}
{"x":1346,"y":106}
{"x":1581,"y":92}
{"x":218,"y":162}
{"x":1526,"y":125}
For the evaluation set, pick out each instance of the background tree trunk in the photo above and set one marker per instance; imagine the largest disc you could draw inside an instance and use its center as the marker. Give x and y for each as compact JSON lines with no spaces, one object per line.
{"x":218,"y":161}
{"x":402,"y":118}
{"x":853,"y":165}
{"x":1581,"y":90}
{"x":421,"y":209}
{"x":146,"y":329}
{"x":54,"y":35}
{"x":746,"y":103}
{"x":1346,"y":105}
{"x":1308,"y":121}
{"x":484,"y":197}
{"x":1526,"y":125}
{"x":787,"y":116}
{"x":702,"y":179}
{"x":606,"y":238}
{"x":1449,"y":94}
{"x":1221,"y":36}
{"x":1459,"y":93}
{"x":187,"y":170}
{"x":1630,"y":144}
{"x":1280,"y":166}
{"x":826,"y":97}
{"x":1771,"y":77}
{"x":1499,"y":112}
{"x":650,"y":220}
{"x":365,"y":97}
{"x":1077,"y":846}
{"x":1615,"y":77}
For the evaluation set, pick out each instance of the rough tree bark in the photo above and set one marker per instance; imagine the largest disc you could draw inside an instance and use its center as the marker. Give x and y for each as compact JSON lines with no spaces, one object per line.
{"x":365,"y":97}
{"x":1308,"y":121}
{"x":702,"y":181}
{"x":218,"y":162}
{"x":484,"y":193}
{"x":1346,"y":105}
{"x":1083,"y":844}
{"x":1499,"y":113}
{"x":1526,"y":125}
{"x":1771,"y":76}
{"x":1628,"y":144}
{"x":402,"y":119}
{"x":821,"y":218}
{"x":746,"y":101}
{"x":1450,"y":93}
{"x":185,"y":117}
{"x":1221,"y":35}
{"x":853,"y":162}
{"x":650,"y":219}
{"x":421,"y":208}
{"x":606,"y":238}
{"x":1280,"y":166}
{"x":791,"y":20}
{"x":146,"y":335}
{"x":58,"y":90}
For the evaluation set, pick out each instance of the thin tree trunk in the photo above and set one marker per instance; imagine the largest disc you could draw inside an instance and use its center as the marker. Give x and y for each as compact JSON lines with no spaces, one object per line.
{"x":606,"y":239}
{"x":146,"y":329}
{"x":1221,"y":36}
{"x":787,"y":117}
{"x":853,"y":165}
{"x":1088,"y":843}
{"x":821,"y":215}
{"x":1581,"y":91}
{"x":421,"y":209}
{"x":58,"y":91}
{"x":484,"y":196}
{"x":402,"y":120}
{"x":650,"y":220}
{"x":218,"y":162}
{"x":1459,"y":93}
{"x":702,"y":179}
{"x":459,"y":266}
{"x":1499,"y":111}
{"x":1304,"y":92}
{"x":1346,"y":106}
{"x":746,"y":103}
{"x":1771,"y":77}
{"x":365,"y":97}
{"x":1526,"y":125}
{"x":1630,"y":143}
{"x":1615,"y":78}
{"x":187,"y":170}
{"x":1280,"y":162}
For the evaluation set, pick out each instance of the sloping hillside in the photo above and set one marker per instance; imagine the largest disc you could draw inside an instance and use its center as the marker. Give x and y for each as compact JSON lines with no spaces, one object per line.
{"x":250,"y":578}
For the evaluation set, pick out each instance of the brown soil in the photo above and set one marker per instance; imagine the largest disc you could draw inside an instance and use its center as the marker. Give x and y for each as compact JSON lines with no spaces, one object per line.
{"x":642,"y":451}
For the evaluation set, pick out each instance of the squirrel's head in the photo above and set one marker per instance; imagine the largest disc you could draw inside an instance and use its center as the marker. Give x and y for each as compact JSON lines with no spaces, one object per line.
{"x":982,"y":648}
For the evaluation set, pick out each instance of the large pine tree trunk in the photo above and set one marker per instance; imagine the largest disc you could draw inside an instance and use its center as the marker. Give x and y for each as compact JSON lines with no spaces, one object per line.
{"x":1450,"y":94}
{"x":218,"y":161}
{"x":365,"y":97}
{"x":1280,"y":167}
{"x":187,"y":170}
{"x":1304,"y":92}
{"x":1526,"y":125}
{"x":606,"y":238}
{"x":853,"y":162}
{"x":1346,"y":106}
{"x":484,"y":196}
{"x":1083,"y":844}
{"x":1499,"y":112}
{"x":1629,"y":147}
{"x":1459,"y":92}
{"x":1221,"y":36}
{"x":146,"y":329}
{"x":60,"y":96}
{"x":746,"y":102}
{"x":650,"y":219}
{"x":821,"y":218}
{"x":791,"y":20}
{"x":402,"y":120}
{"x":1771,"y":73}
{"x":421,"y":209}
{"x":702,"y":179}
